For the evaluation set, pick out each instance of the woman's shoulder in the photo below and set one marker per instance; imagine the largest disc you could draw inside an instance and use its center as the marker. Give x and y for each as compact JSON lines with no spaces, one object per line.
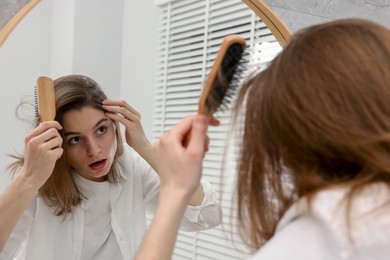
{"x":332,"y":202}
{"x":343,"y":225}
{"x":302,"y":238}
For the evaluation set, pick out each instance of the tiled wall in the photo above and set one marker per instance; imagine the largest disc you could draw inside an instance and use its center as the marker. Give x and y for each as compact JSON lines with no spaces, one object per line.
{"x":297,"y":14}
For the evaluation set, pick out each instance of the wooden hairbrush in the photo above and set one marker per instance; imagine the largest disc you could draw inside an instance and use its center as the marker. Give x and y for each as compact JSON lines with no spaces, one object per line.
{"x":222,"y":79}
{"x":45,"y":103}
{"x":219,"y":86}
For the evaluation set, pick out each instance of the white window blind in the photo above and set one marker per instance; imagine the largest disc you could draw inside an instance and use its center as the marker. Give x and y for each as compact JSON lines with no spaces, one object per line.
{"x":191,"y":32}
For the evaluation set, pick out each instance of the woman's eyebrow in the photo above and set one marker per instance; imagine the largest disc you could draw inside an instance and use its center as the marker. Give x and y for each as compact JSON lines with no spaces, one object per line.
{"x":101,"y":121}
{"x":71,"y":133}
{"x":94,"y":127}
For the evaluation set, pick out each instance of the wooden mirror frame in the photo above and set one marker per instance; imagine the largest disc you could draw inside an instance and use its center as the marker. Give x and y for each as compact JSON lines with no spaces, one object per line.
{"x":273,"y":22}
{"x":10,"y":25}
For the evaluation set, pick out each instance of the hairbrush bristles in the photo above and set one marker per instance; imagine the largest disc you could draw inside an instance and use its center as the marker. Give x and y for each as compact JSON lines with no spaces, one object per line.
{"x":36,"y":102}
{"x":227,"y":79}
{"x":224,"y":76}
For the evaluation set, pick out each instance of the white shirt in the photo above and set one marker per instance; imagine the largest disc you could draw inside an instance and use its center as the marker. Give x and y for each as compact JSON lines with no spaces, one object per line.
{"x":41,"y":235}
{"x":322,"y":233}
{"x":99,"y":242}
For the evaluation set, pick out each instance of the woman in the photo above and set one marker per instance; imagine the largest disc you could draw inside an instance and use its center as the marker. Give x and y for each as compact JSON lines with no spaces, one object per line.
{"x":93,"y":190}
{"x":314,"y":170}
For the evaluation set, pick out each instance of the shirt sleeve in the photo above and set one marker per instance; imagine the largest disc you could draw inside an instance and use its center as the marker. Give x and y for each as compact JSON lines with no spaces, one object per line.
{"x":205,"y":216}
{"x":18,"y":238}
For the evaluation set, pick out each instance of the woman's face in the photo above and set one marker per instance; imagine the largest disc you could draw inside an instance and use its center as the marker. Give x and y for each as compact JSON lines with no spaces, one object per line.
{"x":89,"y":142}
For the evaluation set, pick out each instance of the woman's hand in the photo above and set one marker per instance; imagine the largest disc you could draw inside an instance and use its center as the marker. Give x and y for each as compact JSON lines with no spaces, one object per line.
{"x":122,"y":112}
{"x":180,"y":166}
{"x":42,"y":150}
{"x":180,"y":171}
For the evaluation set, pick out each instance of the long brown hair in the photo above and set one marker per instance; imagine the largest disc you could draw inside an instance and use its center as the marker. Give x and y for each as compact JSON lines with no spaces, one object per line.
{"x":72,"y":92}
{"x":318,"y":116}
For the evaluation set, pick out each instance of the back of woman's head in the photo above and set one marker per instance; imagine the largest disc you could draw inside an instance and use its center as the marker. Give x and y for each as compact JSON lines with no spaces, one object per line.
{"x":317,"y":116}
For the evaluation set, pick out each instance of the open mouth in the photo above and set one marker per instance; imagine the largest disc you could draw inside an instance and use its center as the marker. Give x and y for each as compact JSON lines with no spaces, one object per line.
{"x":98,"y":165}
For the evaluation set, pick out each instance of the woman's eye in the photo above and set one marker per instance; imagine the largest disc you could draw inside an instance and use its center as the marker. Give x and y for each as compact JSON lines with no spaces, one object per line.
{"x":101,"y":130}
{"x":74,"y":140}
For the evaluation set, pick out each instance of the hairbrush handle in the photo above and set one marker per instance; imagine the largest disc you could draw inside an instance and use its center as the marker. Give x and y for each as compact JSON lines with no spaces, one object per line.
{"x":46,"y":103}
{"x":273,"y":22}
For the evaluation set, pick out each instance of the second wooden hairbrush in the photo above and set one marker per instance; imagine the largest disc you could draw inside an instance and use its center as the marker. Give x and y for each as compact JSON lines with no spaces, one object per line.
{"x":45,"y":103}
{"x":223,"y":77}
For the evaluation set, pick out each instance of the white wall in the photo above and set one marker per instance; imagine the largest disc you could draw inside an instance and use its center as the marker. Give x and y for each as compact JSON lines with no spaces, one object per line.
{"x":114,"y":42}
{"x":139,"y":57}
{"x":23,"y":57}
{"x":62,"y":37}
{"x":98,"y":42}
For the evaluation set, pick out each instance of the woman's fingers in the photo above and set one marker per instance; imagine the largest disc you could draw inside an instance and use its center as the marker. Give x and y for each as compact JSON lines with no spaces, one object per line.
{"x":42,"y":150}
{"x":40,"y":146}
{"x":120,"y":106}
{"x":198,"y":138}
{"x":120,"y":111}
{"x":120,"y":103}
{"x":42,"y":128}
{"x":118,"y":118}
{"x":214,"y":122}
{"x":199,"y":135}
{"x":48,"y":140}
{"x":180,"y":166}
{"x":52,"y":143}
{"x":124,"y":112}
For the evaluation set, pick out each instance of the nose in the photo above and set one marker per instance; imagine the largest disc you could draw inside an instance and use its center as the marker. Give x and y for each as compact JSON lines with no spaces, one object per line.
{"x":93,"y":148}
